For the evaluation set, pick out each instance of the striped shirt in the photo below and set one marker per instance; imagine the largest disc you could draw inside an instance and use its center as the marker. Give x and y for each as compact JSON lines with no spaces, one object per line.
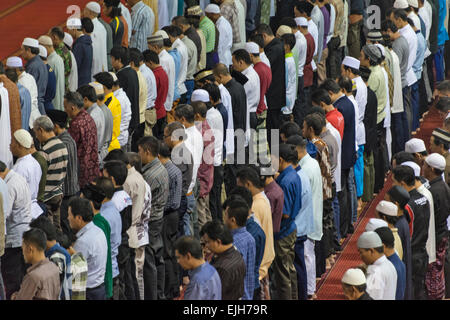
{"x":55,"y":152}
{"x":70,"y":186}
{"x":157,"y":178}
{"x":245,"y":244}
{"x":143,"y":20}
{"x":209,"y":30}
{"x":79,"y":276}
{"x":175,"y":183}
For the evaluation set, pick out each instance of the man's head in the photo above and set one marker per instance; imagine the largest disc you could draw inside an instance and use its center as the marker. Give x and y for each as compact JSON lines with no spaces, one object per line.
{"x":118,"y":155}
{"x":350,"y":67}
{"x":151,"y":59}
{"x":300,"y":145}
{"x":214,"y":92}
{"x":148,"y":148}
{"x":266,"y":32}
{"x":106,"y":80}
{"x":289,"y":129}
{"x":236,"y":213}
{"x":188,"y":252}
{"x":73,"y":104}
{"x":303,"y":9}
{"x":87,"y":25}
{"x":389,"y":29}
{"x":30,"y":48}
{"x":404,"y":176}
{"x":240,"y":193}
{"x":95,"y":195}
{"x":221,"y":73}
{"x":59,"y":119}
{"x":174,"y":133}
{"x":401,"y":157}
{"x":57,"y":35}
{"x":184,"y":113}
{"x":287,"y":156}
{"x":74,"y":27}
{"x":89,"y":95}
{"x":346,"y":85}
{"x":387,"y":211}
{"x":417,"y":148}
{"x":45,"y":224}
{"x":353,"y":283}
{"x":33,"y":245}
{"x":21,"y":143}
{"x":135,"y":161}
{"x":312,"y":126}
{"x":439,"y":141}
{"x":241,"y":60}
{"x":387,"y":238}
{"x":370,"y":55}
{"x":332,"y":88}
{"x":370,"y":247}
{"x":321,"y":98}
{"x":136,"y":58}
{"x":155,"y":43}
{"x":216,"y":236}
{"x":434,"y":165}
{"x":131,"y":3}
{"x":289,"y":41}
{"x":106,"y":185}
{"x":249,"y":178}
{"x":92,"y":10}
{"x":443,"y":106}
{"x":120,"y":57}
{"x":43,"y":129}
{"x":399,"y":17}
{"x":164,"y":153}
{"x":115,"y":170}
{"x":181,"y":22}
{"x":443,"y":89}
{"x":399,"y":196}
{"x":200,"y":110}
{"x":212,"y":11}
{"x":80,"y":213}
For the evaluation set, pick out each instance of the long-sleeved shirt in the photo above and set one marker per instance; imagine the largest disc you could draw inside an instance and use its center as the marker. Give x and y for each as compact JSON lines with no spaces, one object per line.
{"x":421,"y":49}
{"x":304,"y":221}
{"x":194,"y":143}
{"x":64,"y":53}
{"x":265,"y":78}
{"x":229,"y":11}
{"x":181,"y":48}
{"x":192,"y":58}
{"x":317,"y":18}
{"x":142,"y":25}
{"x":361,"y":99}
{"x":193,"y":35}
{"x":182,"y":158}
{"x":129,"y":82}
{"x":38,"y":70}
{"x":204,"y":284}
{"x":162,"y":89}
{"x":28,"y":82}
{"x":177,"y":60}
{"x":382,"y":279}
{"x":30,"y":169}
{"x":377,"y":83}
{"x":83,"y":52}
{"x":253,"y":227}
{"x":143,"y":94}
{"x":401,"y":48}
{"x":100,"y":222}
{"x":25,"y":105}
{"x":151,"y":85}
{"x":308,"y":69}
{"x":57,"y":64}
{"x":99,"y":118}
{"x":109,"y":40}
{"x":70,"y":186}
{"x":110,"y":212}
{"x":291,"y":84}
{"x":276,"y":197}
{"x":276,"y":95}
{"x":326,"y":26}
{"x":175,"y":184}
{"x":168,"y":64}
{"x":245,"y":244}
{"x":216,"y":122}
{"x":225,"y":41}
{"x":114,"y":105}
{"x":410,"y":36}
{"x":99,"y":57}
{"x":205,"y":173}
{"x":345,"y":107}
{"x":442,"y":35}
{"x":209,"y":31}
{"x":125,"y":116}
{"x":156,"y":176}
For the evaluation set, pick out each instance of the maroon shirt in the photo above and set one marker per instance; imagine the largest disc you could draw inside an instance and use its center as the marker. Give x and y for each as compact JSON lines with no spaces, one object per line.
{"x":276,"y":198}
{"x":265,"y":78}
{"x":205,"y":174}
{"x":162,"y":88}
{"x":307,"y":70}
{"x":84,"y":133}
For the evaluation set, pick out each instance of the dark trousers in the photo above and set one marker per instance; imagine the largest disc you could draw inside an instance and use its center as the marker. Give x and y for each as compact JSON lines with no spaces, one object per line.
{"x":212,"y":58}
{"x":423,"y":101}
{"x":98,"y":293}
{"x":215,"y":195}
{"x":344,"y":204}
{"x":415,"y":106}
{"x":300,"y":267}
{"x":398,"y":127}
{"x":408,"y":111}
{"x":300,"y":104}
{"x":230,"y":177}
{"x":319,"y":250}
{"x":334,"y":58}
{"x":53,"y":208}
{"x":380,"y":158}
{"x":190,"y":88}
{"x":170,"y":235}
{"x":158,"y":129}
{"x":419,"y":269}
{"x":447,"y":271}
{"x":430,"y":68}
{"x":2,"y":287}
{"x":13,"y":270}
{"x":137,"y":134}
{"x":154,"y":273}
{"x":273,"y":120}
{"x":129,"y":289}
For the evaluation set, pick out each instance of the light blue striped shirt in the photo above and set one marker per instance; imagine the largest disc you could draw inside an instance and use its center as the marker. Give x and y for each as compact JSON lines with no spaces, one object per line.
{"x":421,"y":48}
{"x":143,"y":21}
{"x":25,"y":105}
{"x":110,"y":212}
{"x":177,"y":58}
{"x":305,"y":218}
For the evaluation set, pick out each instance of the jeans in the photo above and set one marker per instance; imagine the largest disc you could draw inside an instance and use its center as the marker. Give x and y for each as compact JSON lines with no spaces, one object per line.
{"x":154,"y":270}
{"x":191,"y":203}
{"x":300,"y":267}
{"x":336,"y":211}
{"x":415,"y":106}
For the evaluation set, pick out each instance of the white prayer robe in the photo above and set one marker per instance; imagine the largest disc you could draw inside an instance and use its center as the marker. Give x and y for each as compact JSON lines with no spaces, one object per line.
{"x":28,"y":81}
{"x":225,"y":41}
{"x":5,"y":128}
{"x":99,"y":60}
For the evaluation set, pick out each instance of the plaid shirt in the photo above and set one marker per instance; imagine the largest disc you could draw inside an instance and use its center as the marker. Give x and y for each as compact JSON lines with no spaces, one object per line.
{"x":79,"y":276}
{"x":229,"y":12}
{"x":64,"y":53}
{"x":245,"y":244}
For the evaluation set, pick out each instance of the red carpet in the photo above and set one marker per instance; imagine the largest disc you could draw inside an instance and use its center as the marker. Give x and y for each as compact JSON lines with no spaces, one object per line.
{"x":32,"y":20}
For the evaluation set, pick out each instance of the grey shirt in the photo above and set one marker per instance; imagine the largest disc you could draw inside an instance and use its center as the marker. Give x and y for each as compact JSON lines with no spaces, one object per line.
{"x":158,"y":179}
{"x":99,"y":118}
{"x":108,"y":131}
{"x":192,"y":55}
{"x":38,"y":70}
{"x":401,"y":48}
{"x":109,"y":42}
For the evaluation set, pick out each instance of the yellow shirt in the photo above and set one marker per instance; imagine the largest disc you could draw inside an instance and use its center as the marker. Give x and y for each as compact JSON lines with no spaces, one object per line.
{"x":262,"y":211}
{"x":143,"y":92}
{"x":116,"y":110}
{"x":153,"y":4}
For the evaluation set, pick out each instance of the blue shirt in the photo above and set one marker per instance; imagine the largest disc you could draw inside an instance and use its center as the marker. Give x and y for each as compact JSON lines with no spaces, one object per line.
{"x":348,"y":154}
{"x":442,"y":32}
{"x":51,"y":89}
{"x":401,"y":276}
{"x":421,"y":48}
{"x":311,"y":149}
{"x":304,"y":221}
{"x":63,"y":265}
{"x":260,"y":242}
{"x":177,"y":59}
{"x":204,"y":284}
{"x":291,"y":185}
{"x":25,"y":105}
{"x":112,"y":215}
{"x":38,"y":70}
{"x":245,"y":243}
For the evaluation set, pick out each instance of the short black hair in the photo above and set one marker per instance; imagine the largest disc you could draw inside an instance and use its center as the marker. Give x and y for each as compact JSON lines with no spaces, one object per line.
{"x":346,"y":84}
{"x":164,"y":150}
{"x":315,"y":122}
{"x":217,"y":230}
{"x":330,"y":85}
{"x":290,"y":128}
{"x":258,"y":39}
{"x":35,"y":237}
{"x":151,"y":56}
{"x":88,"y":92}
{"x":187,"y":244}
{"x":264,"y":28}
{"x":242,"y":192}
{"x":400,"y":195}
{"x":150,"y":144}
{"x":199,"y":108}
{"x":288,"y":153}
{"x":44,"y":223}
{"x":58,"y":32}
{"x":3,"y":166}
{"x":186,"y":111}
{"x":174,"y":31}
{"x":81,"y":207}
{"x":87,"y":25}
{"x":242,"y":55}
{"x":386,"y":236}
{"x":94,"y":194}
{"x":289,"y":39}
{"x":238,"y":209}
{"x":443,"y":86}
{"x":117,"y":154}
{"x":106,"y":185}
{"x":389,"y":219}
{"x":288,"y":21}
{"x":403,"y":156}
{"x":173,"y":126}
{"x":181,"y":20}
{"x":248,"y":174}
{"x":389,"y":25}
{"x":136,"y":56}
{"x":135,"y":160}
{"x":321,"y":95}
{"x":365,"y":72}
{"x":443,"y":104}
{"x":116,"y":169}
{"x":213,"y":90}
{"x":33,"y":50}
{"x":439,"y":142}
{"x":75,"y":99}
{"x":319,"y":111}
{"x":304,"y":7}
{"x":297,"y":140}
{"x":12,"y":75}
{"x":404,"y":174}
{"x":122,"y":54}
{"x":105,"y":78}
{"x":352,"y":70}
{"x":400,"y":14}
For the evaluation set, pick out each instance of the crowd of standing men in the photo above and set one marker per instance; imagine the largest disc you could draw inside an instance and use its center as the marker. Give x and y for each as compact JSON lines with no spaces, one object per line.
{"x":186,"y":149}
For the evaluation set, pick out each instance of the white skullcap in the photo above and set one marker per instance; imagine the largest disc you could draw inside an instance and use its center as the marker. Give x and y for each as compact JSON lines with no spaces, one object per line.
{"x":413,"y":3}
{"x":114,"y":76}
{"x":30,"y":42}
{"x":161,"y":33}
{"x":94,"y":7}
{"x":252,"y":47}
{"x":212,"y":8}
{"x":68,"y":39}
{"x":24,"y":138}
{"x":351,"y":62}
{"x":401,"y":4}
{"x":369,"y":240}
{"x":388,"y":208}
{"x":42,"y":51}
{"x":435,"y":160}
{"x":283,"y":30}
{"x":73,"y":23}
{"x":354,"y":277}
{"x":14,"y":62}
{"x":200,"y":95}
{"x":98,"y":88}
{"x":414,"y":166}
{"x":301,"y":21}
{"x":45,"y":41}
{"x":415,"y":145}
{"x":375,"y":223}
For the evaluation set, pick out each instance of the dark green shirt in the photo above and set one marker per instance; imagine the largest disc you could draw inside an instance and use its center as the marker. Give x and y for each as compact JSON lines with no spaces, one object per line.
{"x":101,"y":222}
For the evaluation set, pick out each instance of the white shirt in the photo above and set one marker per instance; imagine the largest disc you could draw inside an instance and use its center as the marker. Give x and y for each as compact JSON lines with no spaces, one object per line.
{"x":182,"y":49}
{"x":397,"y":104}
{"x":194,"y":143}
{"x":30,"y":169}
{"x":226,"y":101}
{"x":411,"y":38}
{"x":356,"y":108}
{"x":431,"y":241}
{"x":264,"y":58}
{"x":126,"y":14}
{"x":291,"y":91}
{"x":314,"y":31}
{"x":302,"y":48}
{"x":413,"y":16}
{"x":426,"y":14}
{"x":225,"y":41}
{"x":252,"y":91}
{"x":381,"y":279}
{"x":99,"y":37}
{"x":163,"y":14}
{"x":125,"y":119}
{"x":5,"y":129}
{"x":73,"y":76}
{"x":151,"y":85}
{"x":214,"y":119}
{"x":168,"y":64}
{"x":337,"y":171}
{"x":332,"y":22}
{"x":361,"y":99}
{"x":28,"y":81}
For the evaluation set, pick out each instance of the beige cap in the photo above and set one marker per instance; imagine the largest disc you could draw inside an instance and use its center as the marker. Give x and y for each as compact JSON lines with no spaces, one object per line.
{"x":98,"y":88}
{"x":24,"y":138}
{"x":45,"y":41}
{"x":283,"y":30}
